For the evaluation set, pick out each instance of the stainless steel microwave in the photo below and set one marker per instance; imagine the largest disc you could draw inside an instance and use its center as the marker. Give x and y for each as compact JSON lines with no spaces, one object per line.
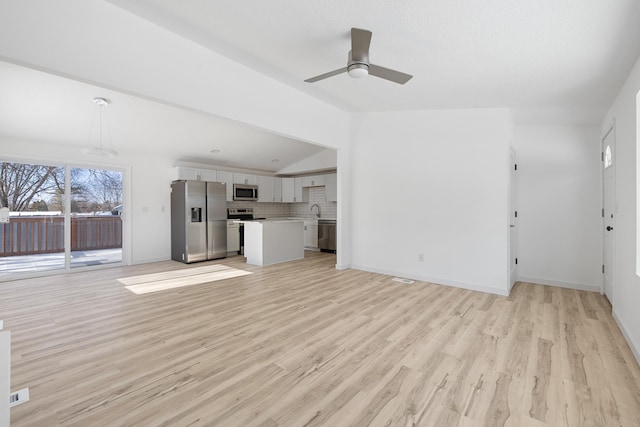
{"x":245,"y":192}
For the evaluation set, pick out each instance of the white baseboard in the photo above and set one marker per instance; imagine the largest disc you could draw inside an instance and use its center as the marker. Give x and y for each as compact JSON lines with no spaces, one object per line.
{"x":149,"y":260}
{"x":627,"y":337}
{"x":560,"y":284}
{"x":343,"y":266}
{"x":437,"y":281}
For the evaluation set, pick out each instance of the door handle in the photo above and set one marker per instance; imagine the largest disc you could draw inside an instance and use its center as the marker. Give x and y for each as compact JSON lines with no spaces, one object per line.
{"x":511,"y":225}
{"x":609,"y":228}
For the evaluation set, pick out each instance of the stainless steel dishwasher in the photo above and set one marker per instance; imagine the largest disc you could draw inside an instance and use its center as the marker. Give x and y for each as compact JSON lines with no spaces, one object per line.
{"x":327,"y":235}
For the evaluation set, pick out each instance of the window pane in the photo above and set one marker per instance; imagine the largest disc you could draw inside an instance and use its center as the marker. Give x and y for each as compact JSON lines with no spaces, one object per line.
{"x":96,"y":222}
{"x":32,"y":229}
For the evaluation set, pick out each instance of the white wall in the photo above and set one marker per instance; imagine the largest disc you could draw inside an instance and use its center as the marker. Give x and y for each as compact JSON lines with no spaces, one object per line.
{"x":324,"y":160}
{"x":147,"y":193}
{"x":626,"y":287}
{"x":432,"y":183}
{"x":559,"y":205}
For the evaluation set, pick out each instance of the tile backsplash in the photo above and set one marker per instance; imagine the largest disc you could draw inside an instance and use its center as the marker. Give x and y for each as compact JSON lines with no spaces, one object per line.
{"x":275,"y":210}
{"x":316,"y":195}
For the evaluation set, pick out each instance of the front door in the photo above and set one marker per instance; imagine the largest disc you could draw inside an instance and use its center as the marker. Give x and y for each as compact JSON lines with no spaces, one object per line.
{"x":608,"y":158}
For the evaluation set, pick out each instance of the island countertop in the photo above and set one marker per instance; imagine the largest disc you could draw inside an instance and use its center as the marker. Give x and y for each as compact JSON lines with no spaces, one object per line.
{"x":271,"y":241}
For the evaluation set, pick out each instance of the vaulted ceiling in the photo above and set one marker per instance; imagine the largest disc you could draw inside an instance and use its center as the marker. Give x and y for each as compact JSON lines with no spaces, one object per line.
{"x":527,"y":55}
{"x":547,"y":60}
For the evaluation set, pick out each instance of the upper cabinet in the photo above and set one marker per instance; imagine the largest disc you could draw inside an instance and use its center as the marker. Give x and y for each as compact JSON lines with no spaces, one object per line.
{"x":298,"y":194}
{"x":331,"y":187}
{"x":193,"y":174}
{"x":227,"y":178}
{"x":313,"y":181}
{"x":288,"y":189}
{"x":292,"y":190}
{"x":265,"y":189}
{"x":245,"y":178}
{"x":270,"y":189}
{"x":277,"y":190}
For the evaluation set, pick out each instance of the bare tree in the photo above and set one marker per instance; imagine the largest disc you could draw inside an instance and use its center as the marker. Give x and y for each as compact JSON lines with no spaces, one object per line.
{"x":21,"y":183}
{"x":106,"y":188}
{"x":25,"y":187}
{"x":101,"y":190}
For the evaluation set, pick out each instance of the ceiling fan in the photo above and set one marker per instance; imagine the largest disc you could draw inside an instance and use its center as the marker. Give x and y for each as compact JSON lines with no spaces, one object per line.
{"x":358,"y":64}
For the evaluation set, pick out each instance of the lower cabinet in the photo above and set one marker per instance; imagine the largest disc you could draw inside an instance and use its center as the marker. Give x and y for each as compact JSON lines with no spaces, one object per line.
{"x":311,"y":234}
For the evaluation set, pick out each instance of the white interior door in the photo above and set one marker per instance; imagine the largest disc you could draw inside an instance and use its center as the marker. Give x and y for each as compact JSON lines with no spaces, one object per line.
{"x":608,"y":158}
{"x":513,"y":229}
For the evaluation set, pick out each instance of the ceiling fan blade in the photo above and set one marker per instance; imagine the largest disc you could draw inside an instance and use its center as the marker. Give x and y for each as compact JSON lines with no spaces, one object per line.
{"x":360,"y":41}
{"x":327,"y":75}
{"x":389,"y":74}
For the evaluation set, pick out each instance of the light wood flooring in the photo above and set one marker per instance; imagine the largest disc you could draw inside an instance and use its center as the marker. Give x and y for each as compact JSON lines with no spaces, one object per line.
{"x":302,"y":344}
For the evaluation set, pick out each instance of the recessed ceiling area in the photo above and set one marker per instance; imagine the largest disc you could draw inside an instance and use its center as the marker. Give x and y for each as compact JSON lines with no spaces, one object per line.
{"x":43,"y":107}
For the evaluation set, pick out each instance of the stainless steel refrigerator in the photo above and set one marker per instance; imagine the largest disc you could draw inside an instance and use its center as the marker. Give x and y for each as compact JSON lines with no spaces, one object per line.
{"x":198,"y":220}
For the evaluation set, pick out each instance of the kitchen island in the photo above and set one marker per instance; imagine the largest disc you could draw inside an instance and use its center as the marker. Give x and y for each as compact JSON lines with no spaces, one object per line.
{"x":272,"y":241}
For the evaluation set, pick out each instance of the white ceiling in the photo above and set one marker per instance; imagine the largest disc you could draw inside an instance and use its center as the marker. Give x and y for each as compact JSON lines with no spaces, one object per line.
{"x":546,"y":59}
{"x":528,"y":55}
{"x":38,"y":106}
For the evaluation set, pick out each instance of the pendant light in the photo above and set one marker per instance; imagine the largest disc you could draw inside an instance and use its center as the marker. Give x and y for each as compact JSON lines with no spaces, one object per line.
{"x":100,"y":150}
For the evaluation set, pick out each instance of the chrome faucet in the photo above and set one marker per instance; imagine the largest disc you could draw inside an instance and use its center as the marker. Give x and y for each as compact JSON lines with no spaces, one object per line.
{"x":315,"y":205}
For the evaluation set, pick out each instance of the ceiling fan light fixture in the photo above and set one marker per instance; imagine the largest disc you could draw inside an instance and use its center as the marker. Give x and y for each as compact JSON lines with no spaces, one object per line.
{"x":358,"y":71}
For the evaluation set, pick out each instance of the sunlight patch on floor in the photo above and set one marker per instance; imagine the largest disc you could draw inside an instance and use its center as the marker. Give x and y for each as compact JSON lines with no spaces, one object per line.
{"x":148,"y":283}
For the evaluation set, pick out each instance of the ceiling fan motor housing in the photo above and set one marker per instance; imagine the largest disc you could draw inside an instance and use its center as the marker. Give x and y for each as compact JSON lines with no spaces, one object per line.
{"x":358,"y":67}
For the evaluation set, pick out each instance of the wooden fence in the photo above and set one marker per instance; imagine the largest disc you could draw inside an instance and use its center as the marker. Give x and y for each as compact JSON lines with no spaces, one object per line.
{"x":45,"y":234}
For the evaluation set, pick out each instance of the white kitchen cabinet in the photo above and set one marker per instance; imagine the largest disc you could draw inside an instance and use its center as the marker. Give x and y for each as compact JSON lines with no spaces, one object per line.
{"x":331,"y":187}
{"x":208,"y":175}
{"x":297,"y":191}
{"x":193,"y":174}
{"x":245,"y":178}
{"x":233,"y":237}
{"x":311,"y":234}
{"x":265,"y":189}
{"x":185,"y":173}
{"x":288,"y":189}
{"x":313,"y":181}
{"x":277,"y":190}
{"x":227,"y":178}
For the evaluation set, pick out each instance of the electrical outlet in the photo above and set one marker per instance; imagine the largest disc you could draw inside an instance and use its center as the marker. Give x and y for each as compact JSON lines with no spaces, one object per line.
{"x":421,"y":257}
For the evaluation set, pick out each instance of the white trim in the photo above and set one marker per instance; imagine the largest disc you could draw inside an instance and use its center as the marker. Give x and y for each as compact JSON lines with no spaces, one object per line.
{"x":634,"y":349}
{"x":611,"y":128}
{"x":343,"y":266}
{"x":435,"y":281}
{"x":5,"y":377}
{"x":560,"y":284}
{"x":150,"y":260}
{"x":11,"y":276}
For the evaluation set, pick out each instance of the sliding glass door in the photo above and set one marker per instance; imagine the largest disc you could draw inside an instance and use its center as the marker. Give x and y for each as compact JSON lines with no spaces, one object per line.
{"x":96,"y":221}
{"x":32,"y":226}
{"x":42,"y":229}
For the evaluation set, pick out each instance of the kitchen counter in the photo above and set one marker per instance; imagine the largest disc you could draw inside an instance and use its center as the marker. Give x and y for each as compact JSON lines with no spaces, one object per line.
{"x":272,"y":241}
